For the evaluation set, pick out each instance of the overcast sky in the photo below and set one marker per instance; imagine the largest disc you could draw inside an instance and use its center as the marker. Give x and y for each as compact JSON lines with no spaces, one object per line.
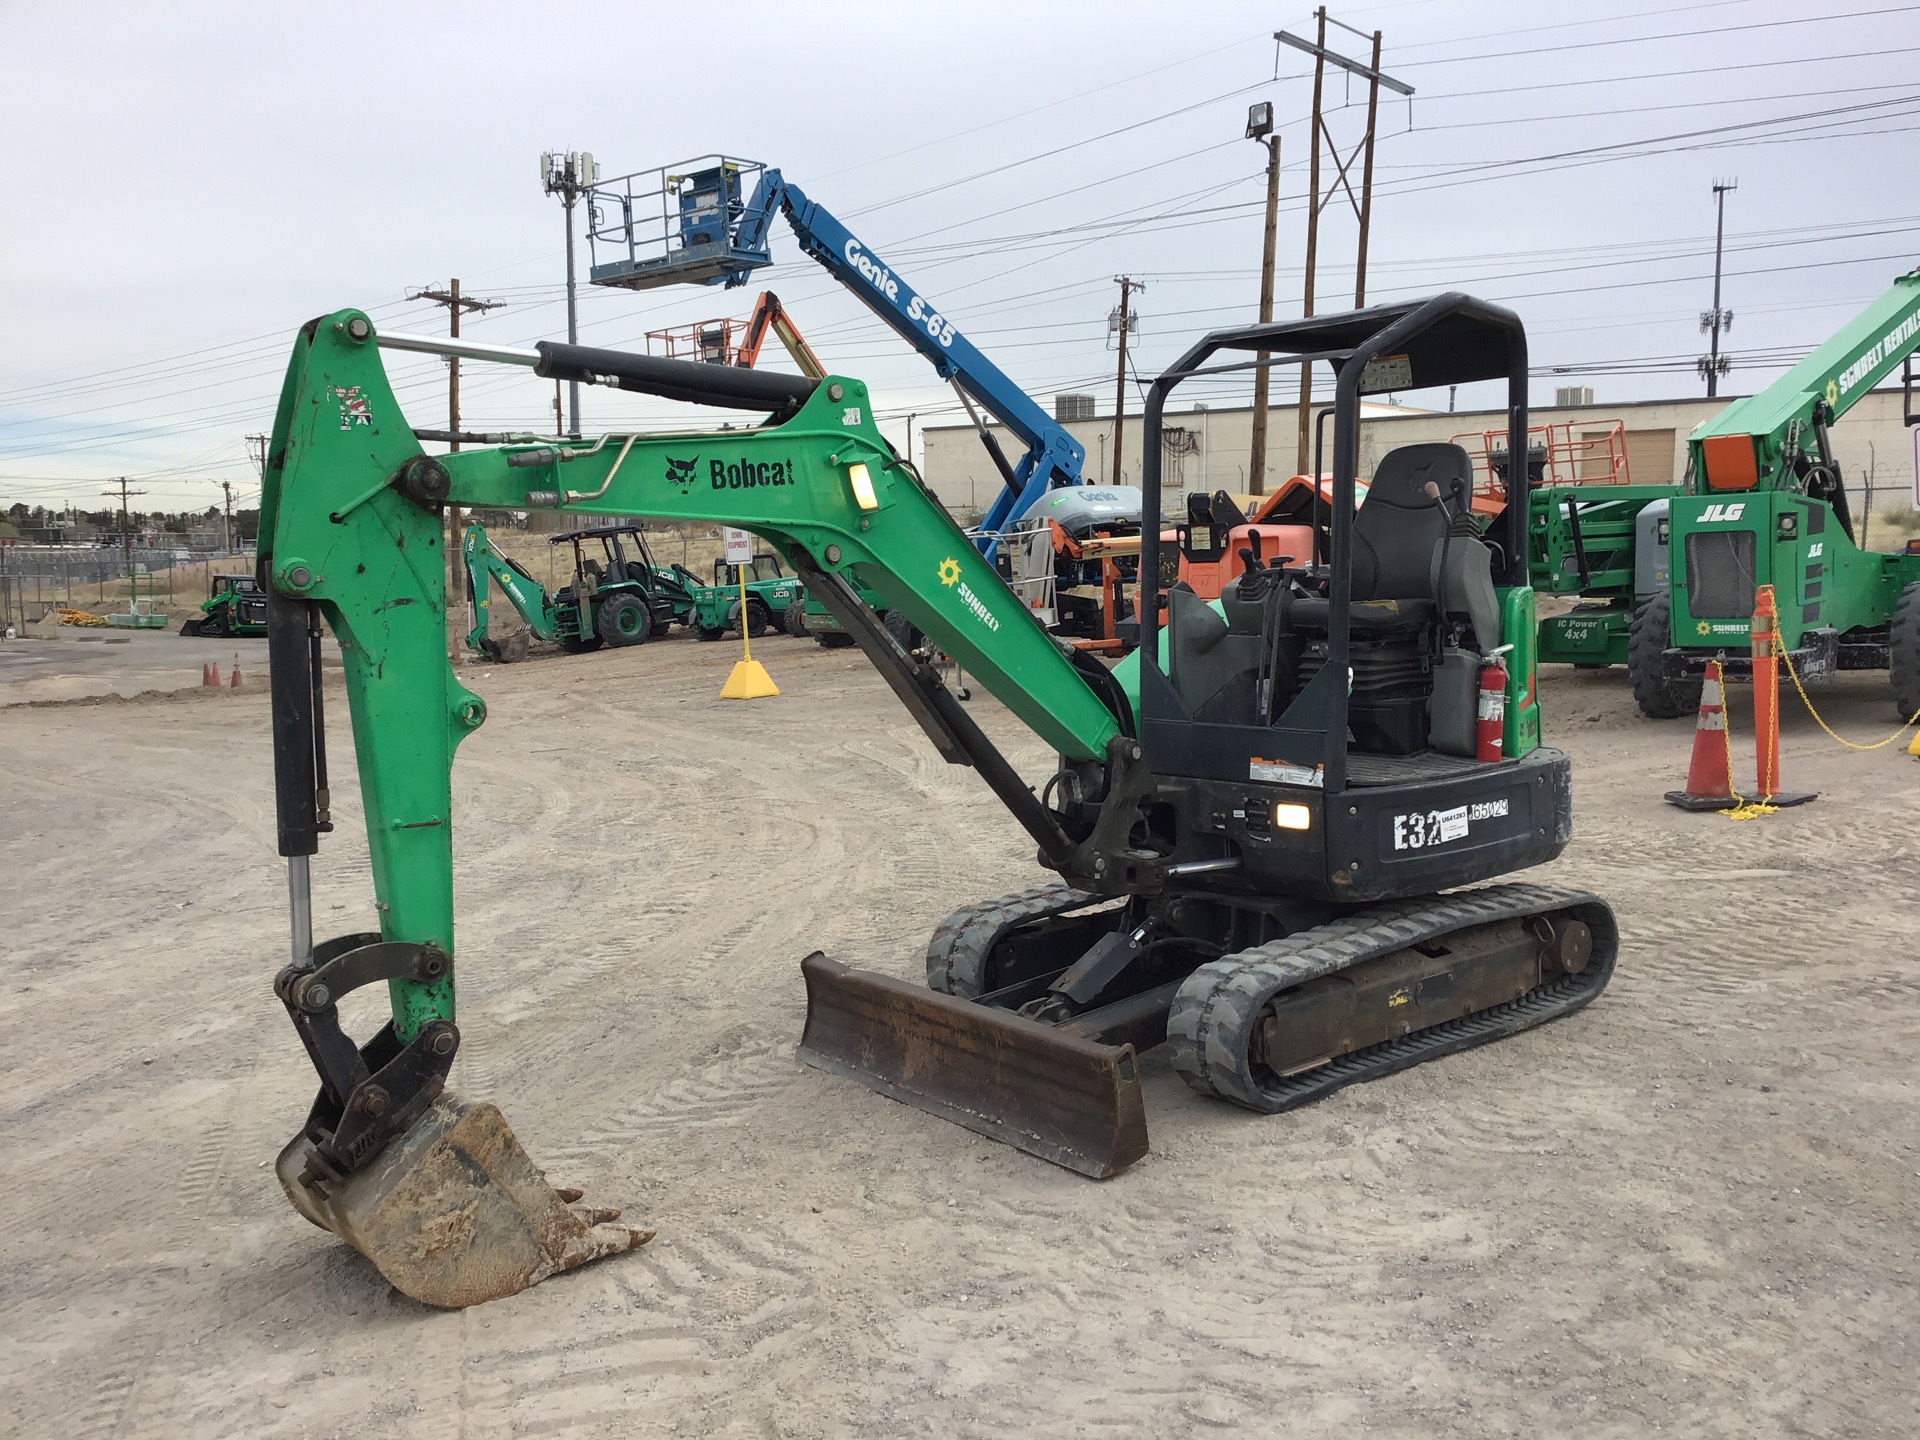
{"x":186,"y":184}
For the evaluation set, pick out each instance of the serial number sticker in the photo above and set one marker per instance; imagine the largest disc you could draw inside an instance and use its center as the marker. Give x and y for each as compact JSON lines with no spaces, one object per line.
{"x":1285,"y":772}
{"x":1425,"y":829}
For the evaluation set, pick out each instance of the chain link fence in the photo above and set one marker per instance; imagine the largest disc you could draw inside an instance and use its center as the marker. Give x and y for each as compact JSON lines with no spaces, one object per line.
{"x":36,"y":578}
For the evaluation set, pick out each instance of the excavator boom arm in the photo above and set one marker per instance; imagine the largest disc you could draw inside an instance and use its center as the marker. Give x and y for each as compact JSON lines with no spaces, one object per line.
{"x":352,"y":509}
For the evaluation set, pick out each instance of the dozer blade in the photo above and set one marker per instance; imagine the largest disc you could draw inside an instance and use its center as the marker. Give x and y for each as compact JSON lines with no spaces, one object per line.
{"x":454,"y":1213}
{"x":1066,"y":1099}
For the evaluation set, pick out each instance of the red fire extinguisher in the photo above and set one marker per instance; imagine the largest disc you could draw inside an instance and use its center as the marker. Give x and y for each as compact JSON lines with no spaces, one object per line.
{"x":1491,"y":733}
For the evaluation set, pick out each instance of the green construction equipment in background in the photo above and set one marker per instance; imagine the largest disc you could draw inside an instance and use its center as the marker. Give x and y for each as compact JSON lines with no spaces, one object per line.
{"x":235,"y":605}
{"x":1587,"y":540}
{"x":813,"y":618}
{"x":617,"y":596}
{"x":1769,"y":507}
{"x":769,"y":594}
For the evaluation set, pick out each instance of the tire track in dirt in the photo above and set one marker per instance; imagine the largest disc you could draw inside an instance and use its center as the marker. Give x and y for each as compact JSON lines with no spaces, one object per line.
{"x":693,"y":1323}
{"x":718,"y":1092}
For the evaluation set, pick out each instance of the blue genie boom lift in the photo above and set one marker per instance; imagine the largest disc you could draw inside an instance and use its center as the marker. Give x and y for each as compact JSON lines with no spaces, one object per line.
{"x":697,"y":223}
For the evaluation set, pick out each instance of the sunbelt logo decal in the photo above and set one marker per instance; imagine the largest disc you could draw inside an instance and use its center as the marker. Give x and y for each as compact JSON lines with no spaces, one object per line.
{"x":1721,"y":511}
{"x":950,"y":577}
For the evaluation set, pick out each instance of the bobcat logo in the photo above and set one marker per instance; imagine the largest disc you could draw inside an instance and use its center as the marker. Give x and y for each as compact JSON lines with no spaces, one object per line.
{"x":680,"y":472}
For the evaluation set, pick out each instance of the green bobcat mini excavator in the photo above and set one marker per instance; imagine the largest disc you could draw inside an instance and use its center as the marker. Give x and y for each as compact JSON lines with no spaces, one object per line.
{"x":1256,"y":828}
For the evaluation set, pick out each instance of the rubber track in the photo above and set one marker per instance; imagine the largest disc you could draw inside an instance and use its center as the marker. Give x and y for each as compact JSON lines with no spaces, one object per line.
{"x":957,"y":954}
{"x":1210,"y":1029}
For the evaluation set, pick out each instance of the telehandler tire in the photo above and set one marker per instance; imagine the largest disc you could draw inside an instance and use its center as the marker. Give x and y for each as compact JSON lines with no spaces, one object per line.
{"x":624,"y":620}
{"x":1658,"y":697}
{"x":1904,"y":652}
{"x":756,"y":621}
{"x":794,"y":619}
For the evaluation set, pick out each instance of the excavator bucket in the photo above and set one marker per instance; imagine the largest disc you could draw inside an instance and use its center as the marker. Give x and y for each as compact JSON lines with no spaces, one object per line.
{"x":454,"y":1213}
{"x":1059,"y":1096}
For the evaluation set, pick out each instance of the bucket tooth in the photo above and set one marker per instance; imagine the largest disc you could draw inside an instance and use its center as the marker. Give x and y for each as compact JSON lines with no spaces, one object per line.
{"x":1059,"y":1096}
{"x":453,"y":1212}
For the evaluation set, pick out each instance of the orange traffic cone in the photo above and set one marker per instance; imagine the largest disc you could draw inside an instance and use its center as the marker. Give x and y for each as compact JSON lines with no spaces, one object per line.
{"x":209,"y":674}
{"x":234,"y":683}
{"x":1709,"y":780}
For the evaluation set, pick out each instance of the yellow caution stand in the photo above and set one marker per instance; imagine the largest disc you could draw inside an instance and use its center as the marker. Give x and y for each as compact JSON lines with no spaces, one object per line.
{"x":749,"y":680}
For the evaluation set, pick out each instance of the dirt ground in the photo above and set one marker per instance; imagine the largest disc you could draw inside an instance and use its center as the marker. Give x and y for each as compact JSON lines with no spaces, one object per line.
{"x":1686,"y":1210}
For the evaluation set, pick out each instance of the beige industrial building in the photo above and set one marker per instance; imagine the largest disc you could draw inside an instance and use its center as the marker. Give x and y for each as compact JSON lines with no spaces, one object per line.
{"x":1209,"y":449}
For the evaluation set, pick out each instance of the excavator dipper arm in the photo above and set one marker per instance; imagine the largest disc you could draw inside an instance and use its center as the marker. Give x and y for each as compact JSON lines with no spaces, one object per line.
{"x":438,"y":1193}
{"x":487,"y":566}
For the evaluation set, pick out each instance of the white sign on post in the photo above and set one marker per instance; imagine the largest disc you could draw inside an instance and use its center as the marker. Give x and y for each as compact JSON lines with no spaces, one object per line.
{"x":1916,"y":470}
{"x":739,"y":545}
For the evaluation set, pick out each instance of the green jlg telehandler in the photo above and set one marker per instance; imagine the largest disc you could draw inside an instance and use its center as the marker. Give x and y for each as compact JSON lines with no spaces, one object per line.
{"x":1769,"y":507}
{"x":1256,"y":830}
{"x":617,"y":595}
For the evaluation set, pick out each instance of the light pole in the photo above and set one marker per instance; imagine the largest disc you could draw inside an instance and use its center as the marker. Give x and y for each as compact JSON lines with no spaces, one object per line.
{"x":568,"y":176}
{"x":1713,"y":364}
{"x":1260,"y":127}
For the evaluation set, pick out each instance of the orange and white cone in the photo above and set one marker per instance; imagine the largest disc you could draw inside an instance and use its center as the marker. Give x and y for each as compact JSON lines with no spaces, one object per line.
{"x":235,"y":682}
{"x":209,"y":675}
{"x":1709,"y":781}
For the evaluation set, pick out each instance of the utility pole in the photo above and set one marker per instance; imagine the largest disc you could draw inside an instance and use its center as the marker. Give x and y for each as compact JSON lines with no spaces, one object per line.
{"x":126,"y":522}
{"x":1713,"y":365}
{"x":1124,"y":321}
{"x":570,"y":176}
{"x":1260,"y":127}
{"x":1363,"y":202}
{"x":227,"y":486}
{"x":457,"y":304}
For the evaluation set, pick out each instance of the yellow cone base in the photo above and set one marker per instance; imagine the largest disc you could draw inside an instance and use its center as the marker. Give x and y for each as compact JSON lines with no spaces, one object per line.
{"x":749,"y":681}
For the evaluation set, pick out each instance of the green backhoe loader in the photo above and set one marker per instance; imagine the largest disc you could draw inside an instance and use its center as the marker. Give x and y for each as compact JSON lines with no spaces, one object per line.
{"x":1256,"y":828}
{"x":618,"y":596}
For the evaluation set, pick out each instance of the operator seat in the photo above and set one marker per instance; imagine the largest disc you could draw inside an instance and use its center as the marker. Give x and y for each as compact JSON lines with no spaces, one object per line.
{"x":1416,"y":567}
{"x":1399,"y":534}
